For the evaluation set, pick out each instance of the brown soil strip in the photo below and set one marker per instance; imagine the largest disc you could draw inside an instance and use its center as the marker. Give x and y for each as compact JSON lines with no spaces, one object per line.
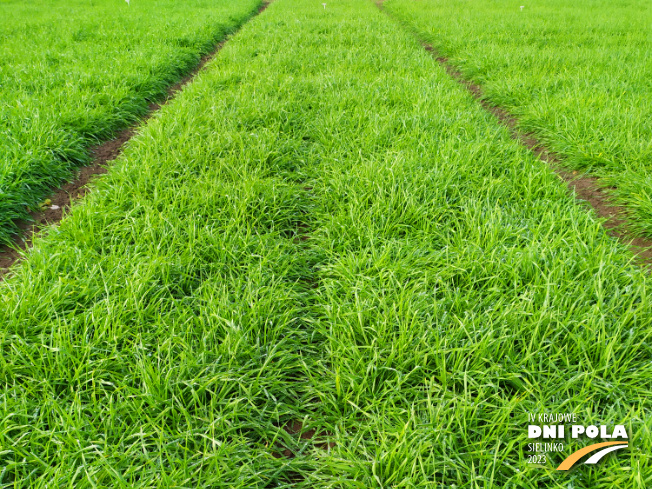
{"x":64,"y":197}
{"x":584,"y":187}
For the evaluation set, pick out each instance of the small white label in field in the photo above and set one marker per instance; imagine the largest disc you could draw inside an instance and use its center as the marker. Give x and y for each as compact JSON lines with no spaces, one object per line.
{"x":521,"y":6}
{"x":324,"y":6}
{"x":128,"y":4}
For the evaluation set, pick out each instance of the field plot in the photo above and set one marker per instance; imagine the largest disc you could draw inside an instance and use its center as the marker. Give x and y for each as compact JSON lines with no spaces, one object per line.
{"x":74,"y":72}
{"x":324,"y":232}
{"x":576,"y":74}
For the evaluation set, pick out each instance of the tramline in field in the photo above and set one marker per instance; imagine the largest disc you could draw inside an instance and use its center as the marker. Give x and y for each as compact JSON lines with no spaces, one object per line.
{"x":576,"y":74}
{"x":75,"y":72}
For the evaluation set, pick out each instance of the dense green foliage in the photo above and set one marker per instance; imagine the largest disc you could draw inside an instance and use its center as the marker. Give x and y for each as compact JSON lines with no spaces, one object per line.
{"x":73,"y":72}
{"x":323,"y":227}
{"x":577,"y":74}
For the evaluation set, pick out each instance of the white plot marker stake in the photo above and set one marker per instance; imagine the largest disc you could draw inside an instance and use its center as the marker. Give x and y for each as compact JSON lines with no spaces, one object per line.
{"x":522,"y":7}
{"x":128,"y":4}
{"x":324,"y":6}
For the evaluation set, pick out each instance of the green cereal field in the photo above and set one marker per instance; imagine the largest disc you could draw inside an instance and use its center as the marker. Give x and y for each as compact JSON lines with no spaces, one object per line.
{"x":324,"y":263}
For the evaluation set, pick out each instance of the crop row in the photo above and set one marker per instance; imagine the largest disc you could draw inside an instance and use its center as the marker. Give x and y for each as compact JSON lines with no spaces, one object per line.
{"x":75,"y":72}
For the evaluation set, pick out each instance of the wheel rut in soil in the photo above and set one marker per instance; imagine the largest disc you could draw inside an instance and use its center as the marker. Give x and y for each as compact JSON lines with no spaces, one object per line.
{"x":585,"y":187}
{"x":102,"y":154}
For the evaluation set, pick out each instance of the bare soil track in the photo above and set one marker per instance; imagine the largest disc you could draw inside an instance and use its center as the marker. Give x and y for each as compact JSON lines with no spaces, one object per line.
{"x":585,"y":187}
{"x":64,"y":197}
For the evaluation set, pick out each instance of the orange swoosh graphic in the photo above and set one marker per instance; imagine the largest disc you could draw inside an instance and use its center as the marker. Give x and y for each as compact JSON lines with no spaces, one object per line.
{"x":575,"y":456}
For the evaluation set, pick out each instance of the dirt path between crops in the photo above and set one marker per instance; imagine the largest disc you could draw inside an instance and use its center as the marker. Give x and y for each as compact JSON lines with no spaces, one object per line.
{"x":64,"y":197}
{"x":585,"y":187}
